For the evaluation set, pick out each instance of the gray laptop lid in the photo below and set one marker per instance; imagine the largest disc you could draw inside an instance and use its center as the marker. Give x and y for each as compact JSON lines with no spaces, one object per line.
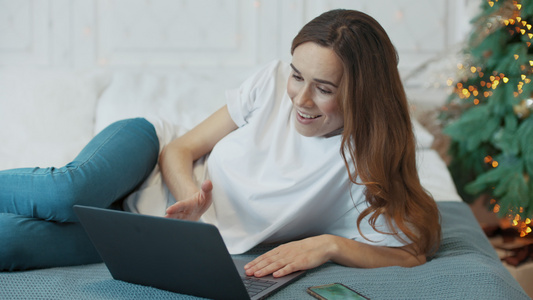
{"x":174,"y":255}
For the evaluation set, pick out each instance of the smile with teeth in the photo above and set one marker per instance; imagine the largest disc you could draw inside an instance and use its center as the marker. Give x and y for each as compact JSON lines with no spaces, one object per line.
{"x":305,"y":116}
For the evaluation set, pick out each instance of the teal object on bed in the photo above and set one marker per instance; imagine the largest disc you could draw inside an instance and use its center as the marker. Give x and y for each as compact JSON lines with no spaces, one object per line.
{"x":465,"y":267}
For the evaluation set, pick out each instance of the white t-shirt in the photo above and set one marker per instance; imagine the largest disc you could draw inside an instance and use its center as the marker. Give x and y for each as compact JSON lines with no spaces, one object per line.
{"x":271,"y":184}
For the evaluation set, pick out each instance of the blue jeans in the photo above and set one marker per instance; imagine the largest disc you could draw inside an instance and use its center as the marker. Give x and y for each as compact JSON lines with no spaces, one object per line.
{"x":38,"y":227}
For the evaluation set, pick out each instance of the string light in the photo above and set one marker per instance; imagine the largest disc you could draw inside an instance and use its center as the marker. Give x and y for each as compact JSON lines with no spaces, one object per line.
{"x":449,"y":82}
{"x":521,"y":225}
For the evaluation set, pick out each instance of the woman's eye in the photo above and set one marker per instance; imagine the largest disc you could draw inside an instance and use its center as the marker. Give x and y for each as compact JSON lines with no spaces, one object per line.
{"x":297,"y":77}
{"x":323,"y":91}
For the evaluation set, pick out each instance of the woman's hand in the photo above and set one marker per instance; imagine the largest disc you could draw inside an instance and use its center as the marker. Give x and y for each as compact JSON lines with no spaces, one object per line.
{"x":313,"y":252}
{"x":291,"y":257}
{"x":194,"y":207}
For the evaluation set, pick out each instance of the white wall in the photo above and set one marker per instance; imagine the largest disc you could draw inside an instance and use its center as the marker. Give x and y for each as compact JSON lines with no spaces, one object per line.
{"x":175,"y":34}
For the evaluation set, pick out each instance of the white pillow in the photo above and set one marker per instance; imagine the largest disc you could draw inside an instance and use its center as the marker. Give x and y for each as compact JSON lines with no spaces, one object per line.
{"x":180,"y":97}
{"x":46,"y":116}
{"x":435,"y":177}
{"x":424,"y":139}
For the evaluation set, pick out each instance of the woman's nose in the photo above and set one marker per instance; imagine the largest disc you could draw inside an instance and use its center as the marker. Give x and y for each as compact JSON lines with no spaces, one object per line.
{"x":304,"y":98}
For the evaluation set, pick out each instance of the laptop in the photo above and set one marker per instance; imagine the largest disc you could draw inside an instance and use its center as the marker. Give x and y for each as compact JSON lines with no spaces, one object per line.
{"x":174,"y":255}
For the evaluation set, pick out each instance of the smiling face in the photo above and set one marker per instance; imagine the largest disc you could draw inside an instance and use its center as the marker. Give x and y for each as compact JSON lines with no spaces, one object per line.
{"x":314,"y":90}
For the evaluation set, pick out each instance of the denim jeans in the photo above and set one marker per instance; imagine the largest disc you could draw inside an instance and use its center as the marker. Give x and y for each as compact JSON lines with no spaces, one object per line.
{"x":38,"y":227}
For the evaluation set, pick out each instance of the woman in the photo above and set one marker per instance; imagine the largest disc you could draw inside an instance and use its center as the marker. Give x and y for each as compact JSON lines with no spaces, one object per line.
{"x":318,"y":156}
{"x":346,"y":94}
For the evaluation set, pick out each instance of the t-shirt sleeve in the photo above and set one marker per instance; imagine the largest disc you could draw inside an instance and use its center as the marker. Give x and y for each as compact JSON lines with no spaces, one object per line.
{"x":347,"y":227}
{"x":382,"y":238}
{"x":243,"y":101}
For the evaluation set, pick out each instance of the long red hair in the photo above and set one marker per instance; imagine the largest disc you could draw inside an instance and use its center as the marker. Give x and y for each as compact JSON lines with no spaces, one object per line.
{"x":378,"y":144}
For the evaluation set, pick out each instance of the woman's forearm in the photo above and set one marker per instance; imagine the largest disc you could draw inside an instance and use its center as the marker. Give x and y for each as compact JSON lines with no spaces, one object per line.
{"x":176,"y":163}
{"x":351,"y":253}
{"x":176,"y":159}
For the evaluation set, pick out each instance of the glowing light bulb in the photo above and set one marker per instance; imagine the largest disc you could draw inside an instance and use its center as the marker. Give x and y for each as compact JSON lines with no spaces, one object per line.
{"x":449,"y":82}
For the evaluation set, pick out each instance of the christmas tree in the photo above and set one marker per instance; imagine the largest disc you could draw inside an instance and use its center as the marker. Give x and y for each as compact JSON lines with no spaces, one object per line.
{"x":489,"y":116}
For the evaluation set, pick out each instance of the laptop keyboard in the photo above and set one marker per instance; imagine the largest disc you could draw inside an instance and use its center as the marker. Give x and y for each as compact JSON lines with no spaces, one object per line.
{"x":255,"y":285}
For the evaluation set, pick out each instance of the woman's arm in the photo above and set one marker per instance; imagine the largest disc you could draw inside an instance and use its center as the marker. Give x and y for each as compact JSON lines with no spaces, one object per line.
{"x":176,"y":163}
{"x":314,"y":251}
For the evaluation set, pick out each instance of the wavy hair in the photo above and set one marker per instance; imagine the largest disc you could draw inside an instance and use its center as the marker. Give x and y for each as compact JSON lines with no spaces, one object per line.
{"x":378,"y":144}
